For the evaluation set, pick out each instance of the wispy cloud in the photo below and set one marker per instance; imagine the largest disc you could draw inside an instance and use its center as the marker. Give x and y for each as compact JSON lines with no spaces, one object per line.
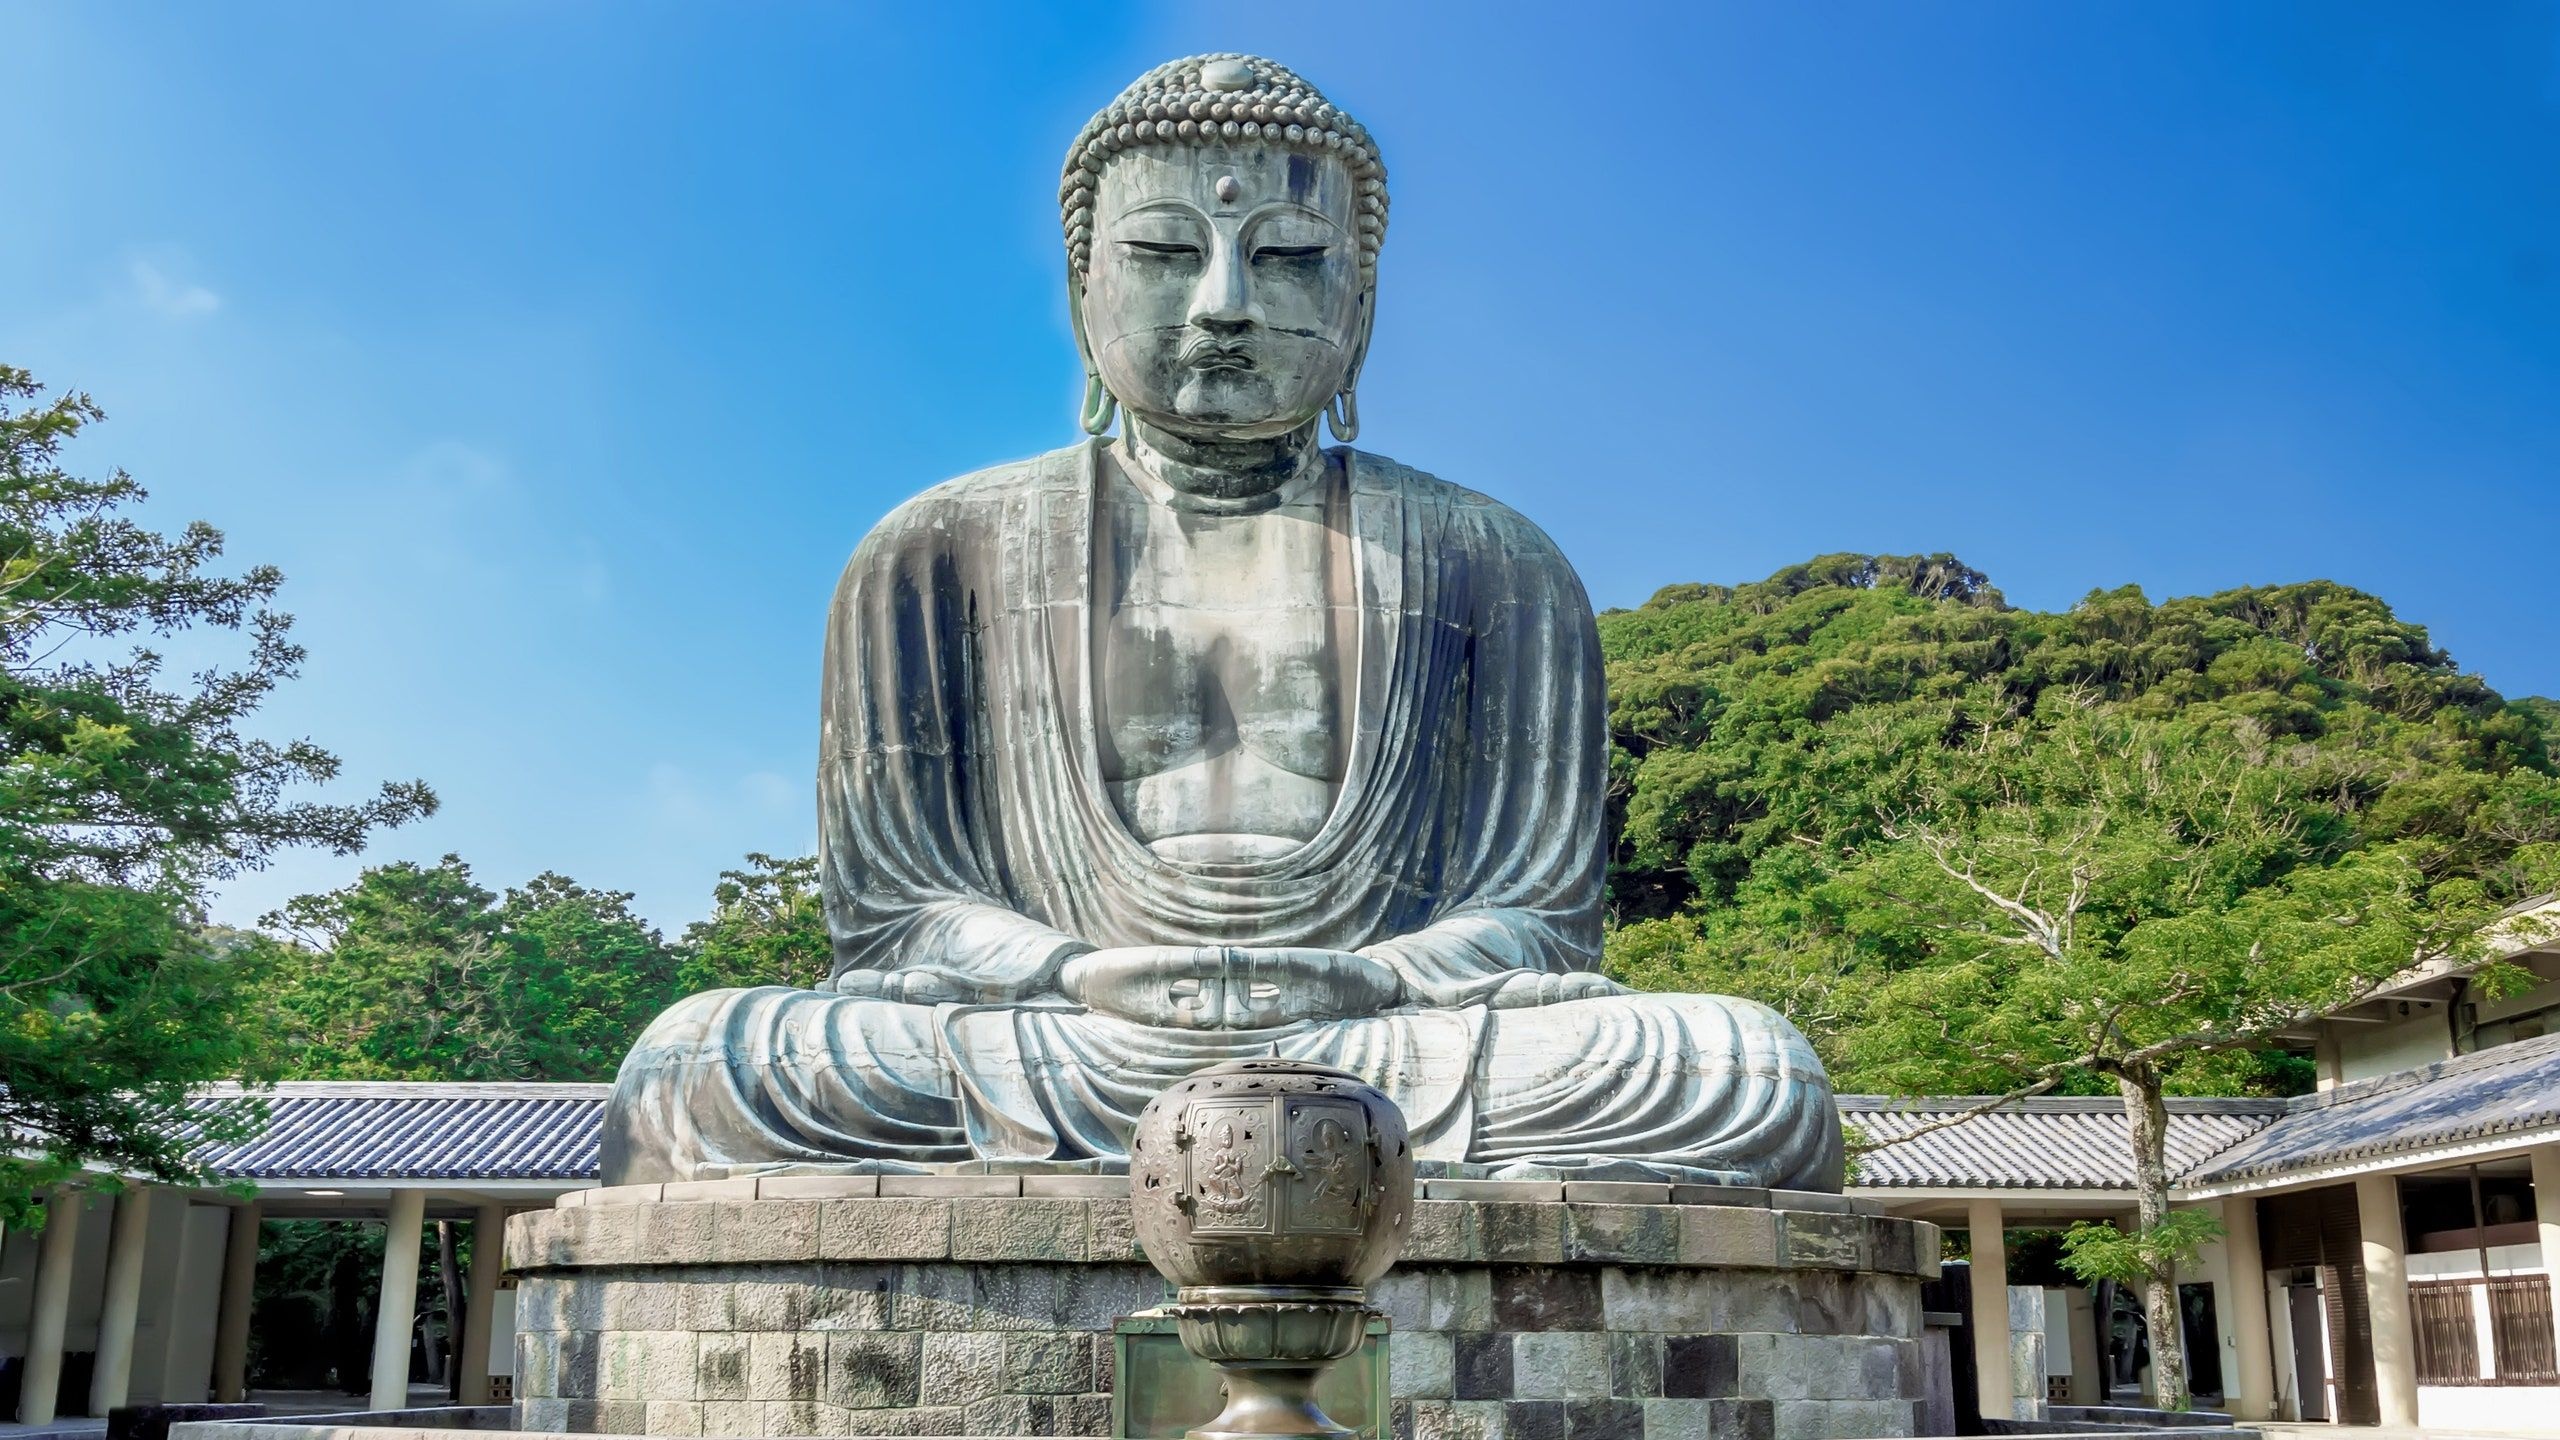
{"x":160,"y":290}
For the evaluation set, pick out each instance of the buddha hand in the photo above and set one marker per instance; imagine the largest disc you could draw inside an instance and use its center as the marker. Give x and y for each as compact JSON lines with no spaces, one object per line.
{"x":1522,"y":989}
{"x":1228,"y":987}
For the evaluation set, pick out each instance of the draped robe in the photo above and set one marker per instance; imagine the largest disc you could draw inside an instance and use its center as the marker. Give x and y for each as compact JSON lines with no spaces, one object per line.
{"x":967,"y":836}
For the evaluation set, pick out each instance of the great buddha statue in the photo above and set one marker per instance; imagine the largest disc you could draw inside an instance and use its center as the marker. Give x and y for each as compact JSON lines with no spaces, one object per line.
{"x":1207,"y":741}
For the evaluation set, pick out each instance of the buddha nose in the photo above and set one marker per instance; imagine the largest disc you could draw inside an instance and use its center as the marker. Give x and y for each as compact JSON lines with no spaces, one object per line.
{"x":1223,"y":302}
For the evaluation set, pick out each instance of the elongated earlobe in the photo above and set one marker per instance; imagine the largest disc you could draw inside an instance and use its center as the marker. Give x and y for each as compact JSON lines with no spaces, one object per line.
{"x":1342,"y":415}
{"x":1100,"y":408}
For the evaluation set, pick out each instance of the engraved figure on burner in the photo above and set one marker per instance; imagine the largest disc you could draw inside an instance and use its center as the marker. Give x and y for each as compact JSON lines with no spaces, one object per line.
{"x":1208,"y":741}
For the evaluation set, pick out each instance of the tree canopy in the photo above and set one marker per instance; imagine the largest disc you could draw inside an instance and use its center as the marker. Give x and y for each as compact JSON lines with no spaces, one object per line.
{"x":124,"y":792}
{"x":1978,"y":849}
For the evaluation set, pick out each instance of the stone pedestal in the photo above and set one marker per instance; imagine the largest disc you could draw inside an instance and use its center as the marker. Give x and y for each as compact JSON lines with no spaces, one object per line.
{"x":983,"y":1305}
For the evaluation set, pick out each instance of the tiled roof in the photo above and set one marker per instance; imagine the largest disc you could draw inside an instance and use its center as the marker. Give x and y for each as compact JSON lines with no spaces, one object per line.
{"x":348,"y":1130}
{"x":2503,"y":1090}
{"x":2040,"y":1144}
{"x":357,"y":1130}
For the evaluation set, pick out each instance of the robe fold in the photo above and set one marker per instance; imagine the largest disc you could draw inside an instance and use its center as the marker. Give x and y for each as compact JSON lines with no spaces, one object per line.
{"x":969,"y":846}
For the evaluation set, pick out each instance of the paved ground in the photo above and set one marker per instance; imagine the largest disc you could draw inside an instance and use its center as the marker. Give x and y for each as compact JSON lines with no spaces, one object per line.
{"x":278,"y":1402}
{"x":2391,"y":1432}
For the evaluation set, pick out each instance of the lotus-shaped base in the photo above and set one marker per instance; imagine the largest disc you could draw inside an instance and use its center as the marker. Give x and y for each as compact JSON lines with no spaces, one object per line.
{"x":1271,"y":1343}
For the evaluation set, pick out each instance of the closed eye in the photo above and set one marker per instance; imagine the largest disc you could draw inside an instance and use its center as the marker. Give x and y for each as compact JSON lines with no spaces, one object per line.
{"x":1289,"y":252}
{"x":1161,"y":247}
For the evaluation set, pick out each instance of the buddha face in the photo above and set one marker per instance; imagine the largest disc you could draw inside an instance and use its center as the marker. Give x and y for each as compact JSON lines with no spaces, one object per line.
{"x":1224,"y":300}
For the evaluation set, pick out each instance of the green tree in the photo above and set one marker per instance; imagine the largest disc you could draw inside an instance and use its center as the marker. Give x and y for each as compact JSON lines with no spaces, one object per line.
{"x":767,"y":927}
{"x":123,"y":795}
{"x":2120,"y":848}
{"x":417,"y":972}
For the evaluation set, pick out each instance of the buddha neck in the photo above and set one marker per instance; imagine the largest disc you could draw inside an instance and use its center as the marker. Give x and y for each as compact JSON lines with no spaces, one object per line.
{"x":1221,"y":477}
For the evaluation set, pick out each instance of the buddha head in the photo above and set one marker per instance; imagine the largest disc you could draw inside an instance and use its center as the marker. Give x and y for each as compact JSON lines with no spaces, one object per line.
{"x":1222,"y":223}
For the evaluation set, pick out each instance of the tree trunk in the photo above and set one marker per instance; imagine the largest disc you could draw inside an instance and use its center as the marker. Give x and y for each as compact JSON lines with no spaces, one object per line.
{"x":2149,"y":1114}
{"x":449,"y":1269}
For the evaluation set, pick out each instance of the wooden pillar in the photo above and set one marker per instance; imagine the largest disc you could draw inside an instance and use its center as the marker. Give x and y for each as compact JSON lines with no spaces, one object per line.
{"x":2250,"y":1389}
{"x":231,"y":1317}
{"x":41,"y":1385}
{"x":2386,"y":1284}
{"x":397,"y":1316}
{"x":2546,"y":1208}
{"x":488,"y":1259}
{"x":1990,"y":1274}
{"x":121,"y":1311}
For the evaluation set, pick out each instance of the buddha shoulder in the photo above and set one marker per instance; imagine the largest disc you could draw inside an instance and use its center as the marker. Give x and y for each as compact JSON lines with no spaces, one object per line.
{"x":1468,"y":520}
{"x":968,"y":512}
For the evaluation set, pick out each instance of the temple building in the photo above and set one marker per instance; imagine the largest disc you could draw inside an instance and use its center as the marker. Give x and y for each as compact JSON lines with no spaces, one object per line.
{"x":2384,"y":1256}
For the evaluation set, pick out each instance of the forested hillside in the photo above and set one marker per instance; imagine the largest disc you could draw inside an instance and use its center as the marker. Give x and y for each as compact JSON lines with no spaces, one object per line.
{"x":1796,"y":757}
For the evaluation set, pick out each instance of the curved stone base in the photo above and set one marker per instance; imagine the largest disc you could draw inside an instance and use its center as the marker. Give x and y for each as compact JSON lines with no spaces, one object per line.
{"x":984,"y":1305}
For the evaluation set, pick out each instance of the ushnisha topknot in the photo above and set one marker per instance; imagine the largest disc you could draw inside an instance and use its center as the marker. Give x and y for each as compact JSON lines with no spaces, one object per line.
{"x":1220,"y":97}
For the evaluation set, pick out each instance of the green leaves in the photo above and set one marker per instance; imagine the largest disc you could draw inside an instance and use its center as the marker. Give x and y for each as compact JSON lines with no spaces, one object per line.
{"x":2096,"y":1251}
{"x":121,"y":796}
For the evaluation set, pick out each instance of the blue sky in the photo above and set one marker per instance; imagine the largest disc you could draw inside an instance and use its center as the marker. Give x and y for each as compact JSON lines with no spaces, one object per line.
{"x":559,"y":353}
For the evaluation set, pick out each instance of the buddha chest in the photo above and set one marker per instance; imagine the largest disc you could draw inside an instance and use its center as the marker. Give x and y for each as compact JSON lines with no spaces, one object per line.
{"x":1222,"y":655}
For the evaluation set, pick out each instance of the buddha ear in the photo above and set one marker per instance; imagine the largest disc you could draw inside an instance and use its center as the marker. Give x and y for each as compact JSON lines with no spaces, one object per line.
{"x":1342,"y":410}
{"x":1100,"y":406}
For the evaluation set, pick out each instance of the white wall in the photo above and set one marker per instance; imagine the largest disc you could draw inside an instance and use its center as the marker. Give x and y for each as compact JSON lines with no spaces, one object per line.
{"x":2365,"y":1051}
{"x":2525,"y":1408}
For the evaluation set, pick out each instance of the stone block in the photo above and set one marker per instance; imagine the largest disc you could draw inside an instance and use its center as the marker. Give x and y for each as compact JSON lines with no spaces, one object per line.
{"x":673,"y":1417}
{"x":626,"y":1194}
{"x":1728,"y":1236}
{"x":543,"y":1414}
{"x":800,"y":1417}
{"x":647,"y":1365}
{"x":1449,"y":1420}
{"x":1776,"y":1367}
{"x":1699,"y":1367}
{"x":1816,"y":1201}
{"x":1890,"y":1306}
{"x":581,"y":1368}
{"x":1889,"y":1246}
{"x":608,"y":1417}
{"x":743,"y":1188}
{"x":997,"y":1415}
{"x":1421,"y":1366}
{"x":933,"y":1297}
{"x":672,"y":1234}
{"x":1021,"y":1297}
{"x":1622,"y":1234}
{"x":1743,"y":1419}
{"x":1559,"y":1365}
{"x":720,"y":1367}
{"x":961,"y":1365}
{"x":1093,"y":1298}
{"x":1821,"y":1241}
{"x":1509,"y":1233}
{"x":884,"y":1229}
{"x":1679,"y":1420}
{"x":950,"y":1187}
{"x":1616,"y":1192}
{"x":1078,"y":1415}
{"x":1048,"y":1364}
{"x":736,"y":1418}
{"x":1635,"y":1366}
{"x":1111,"y":1234}
{"x":1881,"y":1368}
{"x":1766,"y":1301}
{"x":537,"y":1363}
{"x":853,"y":1297}
{"x":922,"y":1420}
{"x":1747,"y":1195}
{"x":1547,"y":1192}
{"x":786,"y":1367}
{"x":1657,"y":1301}
{"x":873,"y":1371}
{"x":1545,"y":1297}
{"x":1434,"y":1299}
{"x":706,"y":1306}
{"x":1533,"y":1420}
{"x":1603,"y":1418}
{"x":581,"y":1301}
{"x":1928,"y":1247}
{"x":817,"y":1187}
{"x":1481,"y":1365}
{"x":1829,"y":1419}
{"x":650,"y":1302}
{"x":607,"y":1234}
{"x":1440,"y":1231}
{"x":765,"y":1230}
{"x":769,"y":1305}
{"x":1051,"y":1231}
{"x":1076,"y":1187}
